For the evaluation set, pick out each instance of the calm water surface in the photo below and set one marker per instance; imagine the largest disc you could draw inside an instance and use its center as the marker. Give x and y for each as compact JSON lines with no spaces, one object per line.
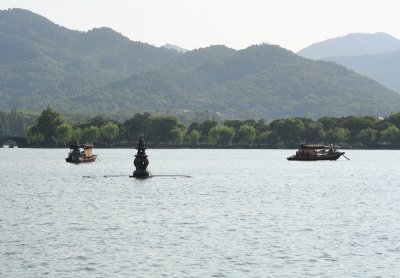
{"x":244,"y":213}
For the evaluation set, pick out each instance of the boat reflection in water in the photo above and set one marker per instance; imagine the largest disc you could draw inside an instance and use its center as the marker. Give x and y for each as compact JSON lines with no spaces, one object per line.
{"x":316,"y":152}
{"x":80,"y":153}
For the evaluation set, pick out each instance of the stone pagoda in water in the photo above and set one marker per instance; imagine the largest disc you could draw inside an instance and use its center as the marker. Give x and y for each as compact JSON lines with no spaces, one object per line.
{"x":141,"y":162}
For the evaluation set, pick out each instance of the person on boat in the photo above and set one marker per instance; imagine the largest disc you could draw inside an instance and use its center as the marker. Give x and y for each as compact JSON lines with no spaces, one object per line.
{"x":332,"y":149}
{"x":302,"y":154}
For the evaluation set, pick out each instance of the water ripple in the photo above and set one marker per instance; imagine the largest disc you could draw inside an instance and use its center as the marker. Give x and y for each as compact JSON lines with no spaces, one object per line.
{"x":245,"y":213}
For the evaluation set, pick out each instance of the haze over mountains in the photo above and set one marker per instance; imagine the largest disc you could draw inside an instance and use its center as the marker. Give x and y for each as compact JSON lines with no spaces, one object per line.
{"x":352,"y":45}
{"x":101,"y":72}
{"x":374,"y":55}
{"x":174,"y":47}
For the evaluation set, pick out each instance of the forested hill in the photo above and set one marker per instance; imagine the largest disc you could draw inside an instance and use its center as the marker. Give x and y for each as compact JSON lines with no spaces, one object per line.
{"x":261,"y":81}
{"x":101,"y":71}
{"x":42,"y":63}
{"x":374,"y":55}
{"x":382,"y":67}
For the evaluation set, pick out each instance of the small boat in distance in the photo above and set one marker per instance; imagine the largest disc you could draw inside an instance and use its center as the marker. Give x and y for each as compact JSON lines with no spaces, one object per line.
{"x":316,"y":152}
{"x":10,"y":144}
{"x":80,"y":153}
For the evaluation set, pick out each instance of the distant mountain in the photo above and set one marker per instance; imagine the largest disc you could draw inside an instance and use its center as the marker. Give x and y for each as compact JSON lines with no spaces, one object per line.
{"x":101,"y":71}
{"x":374,"y":55}
{"x":261,"y":81}
{"x":384,"y":68}
{"x":352,"y":45}
{"x":43,"y":63}
{"x":174,"y":47}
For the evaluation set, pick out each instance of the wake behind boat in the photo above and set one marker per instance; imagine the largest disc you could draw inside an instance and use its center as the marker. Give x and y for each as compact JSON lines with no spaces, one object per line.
{"x":80,"y":153}
{"x":316,"y":152}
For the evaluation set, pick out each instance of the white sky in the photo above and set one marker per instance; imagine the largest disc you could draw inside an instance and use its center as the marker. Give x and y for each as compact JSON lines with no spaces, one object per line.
{"x":192,"y":24}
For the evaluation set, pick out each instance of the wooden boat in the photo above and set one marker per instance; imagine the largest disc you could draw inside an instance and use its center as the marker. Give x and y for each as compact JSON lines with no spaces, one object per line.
{"x":316,"y":152}
{"x":80,"y":153}
{"x":10,"y":144}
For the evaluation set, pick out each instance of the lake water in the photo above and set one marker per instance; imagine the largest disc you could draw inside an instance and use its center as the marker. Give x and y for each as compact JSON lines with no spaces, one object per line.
{"x":243,"y":213}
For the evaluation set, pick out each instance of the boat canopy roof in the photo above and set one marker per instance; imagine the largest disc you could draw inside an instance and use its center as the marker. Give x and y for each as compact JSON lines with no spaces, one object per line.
{"x":312,"y":146}
{"x":85,"y":146}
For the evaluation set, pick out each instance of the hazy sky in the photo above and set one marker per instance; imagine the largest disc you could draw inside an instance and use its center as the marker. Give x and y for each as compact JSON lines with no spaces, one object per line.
{"x":191,"y":24}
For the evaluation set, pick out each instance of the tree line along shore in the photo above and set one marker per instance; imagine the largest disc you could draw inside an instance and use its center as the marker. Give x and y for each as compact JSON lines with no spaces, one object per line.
{"x":51,"y":129}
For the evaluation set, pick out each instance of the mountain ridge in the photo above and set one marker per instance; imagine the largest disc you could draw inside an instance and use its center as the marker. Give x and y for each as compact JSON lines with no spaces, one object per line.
{"x":102,"y":71}
{"x":353,"y":44}
{"x":262,"y":96}
{"x":383,"y":67}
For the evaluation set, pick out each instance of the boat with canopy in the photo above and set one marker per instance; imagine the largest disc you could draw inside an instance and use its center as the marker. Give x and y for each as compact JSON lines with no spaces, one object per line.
{"x":311,"y":152}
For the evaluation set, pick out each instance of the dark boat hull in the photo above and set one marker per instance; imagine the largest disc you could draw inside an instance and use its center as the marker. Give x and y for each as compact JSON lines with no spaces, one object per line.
{"x":332,"y":156}
{"x":81,"y":160}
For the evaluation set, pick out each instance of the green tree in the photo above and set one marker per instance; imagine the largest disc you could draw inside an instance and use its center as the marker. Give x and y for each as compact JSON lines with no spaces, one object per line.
{"x":246,"y":134}
{"x":314,"y":132}
{"x":194,"y":126}
{"x":391,"y":135}
{"x":76,"y":133}
{"x":194,"y":137}
{"x":338,"y":135}
{"x":97,"y":121}
{"x":330,"y":123}
{"x":90,"y":134}
{"x":32,"y":136}
{"x":394,"y":119}
{"x":177,"y":135}
{"x":367,"y":136}
{"x":235,"y":124}
{"x":206,"y":126}
{"x":109,"y":131}
{"x":356,"y":123}
{"x":136,"y":126}
{"x":159,"y":129}
{"x":64,"y":133}
{"x":15,"y":122}
{"x":262,"y":138}
{"x":47,"y":124}
{"x":221,"y":135}
{"x":261,"y":126}
{"x":4,"y":130}
{"x":289,"y":130}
